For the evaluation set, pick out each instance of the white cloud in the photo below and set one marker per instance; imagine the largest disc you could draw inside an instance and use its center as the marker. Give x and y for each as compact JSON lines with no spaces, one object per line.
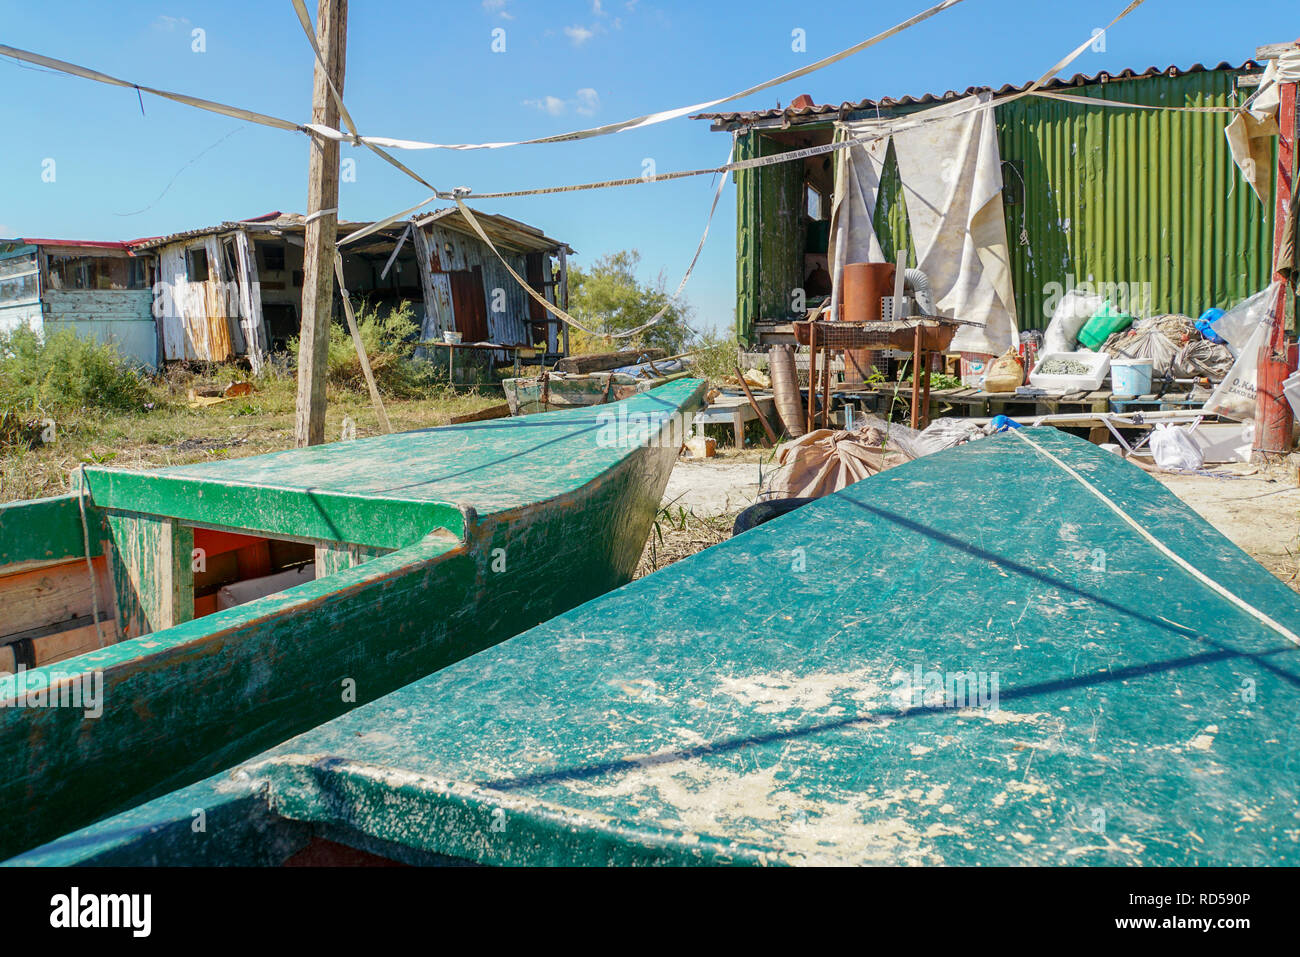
{"x":578,"y":34}
{"x":5,"y":230}
{"x":170,"y":24}
{"x":549,"y":104}
{"x":584,"y":102}
{"x":588,"y":101}
{"x":498,"y":7}
{"x":597,"y":8}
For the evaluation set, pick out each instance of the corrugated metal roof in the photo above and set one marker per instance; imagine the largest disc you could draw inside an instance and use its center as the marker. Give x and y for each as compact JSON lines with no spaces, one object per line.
{"x":267,"y":220}
{"x":824,"y":112}
{"x":502,"y":230}
{"x":86,"y":243}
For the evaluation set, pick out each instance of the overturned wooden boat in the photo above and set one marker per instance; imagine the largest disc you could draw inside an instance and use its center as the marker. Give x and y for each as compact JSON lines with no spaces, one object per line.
{"x":427,"y":546}
{"x":1022,"y":650}
{"x":551,"y":391}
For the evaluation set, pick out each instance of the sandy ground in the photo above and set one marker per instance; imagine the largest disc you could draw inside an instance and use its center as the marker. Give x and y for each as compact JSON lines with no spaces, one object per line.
{"x":1256,"y":507}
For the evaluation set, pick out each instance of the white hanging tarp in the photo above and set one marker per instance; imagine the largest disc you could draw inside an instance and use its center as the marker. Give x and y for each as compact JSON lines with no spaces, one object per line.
{"x":952,"y":183}
{"x":1250,"y":134}
{"x":857,"y":189}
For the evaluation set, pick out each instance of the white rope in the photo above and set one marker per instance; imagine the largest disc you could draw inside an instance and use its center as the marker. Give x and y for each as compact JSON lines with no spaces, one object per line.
{"x":1178,"y":560}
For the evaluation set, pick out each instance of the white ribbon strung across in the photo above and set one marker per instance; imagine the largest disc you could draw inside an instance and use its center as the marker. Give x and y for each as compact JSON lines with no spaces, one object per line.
{"x":650,"y":119}
{"x":71,"y":69}
{"x":564,"y":316}
{"x":375,"y":142}
{"x":1121,"y":105}
{"x":908,"y":122}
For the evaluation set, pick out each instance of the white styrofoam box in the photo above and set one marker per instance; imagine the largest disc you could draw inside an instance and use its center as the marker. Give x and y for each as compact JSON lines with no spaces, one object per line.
{"x":1225,"y":441}
{"x":1098,"y":364}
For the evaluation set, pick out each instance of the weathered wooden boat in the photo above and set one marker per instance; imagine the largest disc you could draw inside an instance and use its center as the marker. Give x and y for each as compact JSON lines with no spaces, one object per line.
{"x":427,"y":546}
{"x":551,"y":391}
{"x":1022,"y":650}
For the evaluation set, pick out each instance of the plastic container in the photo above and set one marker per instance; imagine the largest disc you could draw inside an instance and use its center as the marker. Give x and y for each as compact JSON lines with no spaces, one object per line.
{"x":1130,"y":377}
{"x":1098,"y":364}
{"x":973,"y":367}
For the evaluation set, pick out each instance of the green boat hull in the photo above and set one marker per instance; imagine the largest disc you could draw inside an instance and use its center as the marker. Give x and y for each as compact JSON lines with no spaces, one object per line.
{"x":758,"y":703}
{"x":442,"y":542}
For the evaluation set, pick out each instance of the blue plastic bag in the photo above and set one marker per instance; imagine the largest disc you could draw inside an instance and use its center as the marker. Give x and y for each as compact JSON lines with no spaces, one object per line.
{"x":1205,"y":325}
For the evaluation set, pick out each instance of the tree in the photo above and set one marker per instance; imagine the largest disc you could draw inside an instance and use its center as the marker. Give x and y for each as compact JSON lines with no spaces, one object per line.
{"x":609,"y":298}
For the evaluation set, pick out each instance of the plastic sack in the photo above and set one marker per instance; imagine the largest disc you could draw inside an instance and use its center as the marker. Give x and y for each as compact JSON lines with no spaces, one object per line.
{"x":1006,"y":373}
{"x":1246,"y":326}
{"x":1148,"y":343}
{"x":1071,"y":314}
{"x":1239,"y":323}
{"x":1104,"y":323}
{"x":1205,"y":325}
{"x":1174,"y":449}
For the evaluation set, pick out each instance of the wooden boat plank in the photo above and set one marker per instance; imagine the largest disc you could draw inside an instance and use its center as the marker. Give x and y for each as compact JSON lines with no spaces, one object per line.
{"x":765,"y":716}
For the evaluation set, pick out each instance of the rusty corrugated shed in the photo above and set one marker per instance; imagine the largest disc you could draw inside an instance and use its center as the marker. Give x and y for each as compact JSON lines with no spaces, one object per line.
{"x":1097,"y":194}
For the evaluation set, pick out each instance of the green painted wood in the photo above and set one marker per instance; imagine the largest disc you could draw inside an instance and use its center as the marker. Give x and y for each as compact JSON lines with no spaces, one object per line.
{"x":336,"y":557}
{"x":751,"y":704}
{"x":186,"y":701}
{"x":47,"y":530}
{"x":747,"y":267}
{"x":152,"y":579}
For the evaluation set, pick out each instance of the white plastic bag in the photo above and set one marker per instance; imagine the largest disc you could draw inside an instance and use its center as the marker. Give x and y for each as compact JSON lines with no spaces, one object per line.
{"x":1246,"y":326}
{"x":1071,"y":315}
{"x":1174,"y":449}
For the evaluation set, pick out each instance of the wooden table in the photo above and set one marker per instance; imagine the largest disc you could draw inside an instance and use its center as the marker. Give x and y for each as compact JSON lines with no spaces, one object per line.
{"x":736,"y":410}
{"x":482,"y":347}
{"x":921,"y":335}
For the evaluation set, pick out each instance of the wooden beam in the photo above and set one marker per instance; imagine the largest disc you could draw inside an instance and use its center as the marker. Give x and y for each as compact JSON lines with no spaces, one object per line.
{"x":322,"y":226}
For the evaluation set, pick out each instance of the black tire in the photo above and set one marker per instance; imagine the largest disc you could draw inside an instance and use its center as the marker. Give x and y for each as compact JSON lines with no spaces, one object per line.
{"x":756,"y":515}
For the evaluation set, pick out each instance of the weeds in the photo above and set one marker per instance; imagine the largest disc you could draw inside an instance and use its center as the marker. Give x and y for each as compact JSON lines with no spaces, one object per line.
{"x":67,"y":373}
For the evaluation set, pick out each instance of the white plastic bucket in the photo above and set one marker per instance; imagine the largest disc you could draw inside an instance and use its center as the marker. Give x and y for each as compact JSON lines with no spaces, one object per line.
{"x":1130,"y":377}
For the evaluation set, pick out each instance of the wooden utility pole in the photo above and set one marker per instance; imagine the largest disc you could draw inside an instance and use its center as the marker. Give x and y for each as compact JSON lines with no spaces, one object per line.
{"x":322,"y":226}
{"x":1273,"y":418}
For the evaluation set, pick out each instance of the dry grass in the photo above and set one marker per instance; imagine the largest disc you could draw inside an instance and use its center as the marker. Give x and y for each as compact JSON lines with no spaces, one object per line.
{"x":172,"y":433}
{"x":678,"y":533}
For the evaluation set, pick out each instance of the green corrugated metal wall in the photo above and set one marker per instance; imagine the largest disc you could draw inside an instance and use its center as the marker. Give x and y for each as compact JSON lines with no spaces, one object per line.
{"x":1109,"y":196}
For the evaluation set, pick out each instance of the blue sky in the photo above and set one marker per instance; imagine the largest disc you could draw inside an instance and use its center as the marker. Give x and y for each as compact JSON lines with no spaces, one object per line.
{"x":426,"y":71}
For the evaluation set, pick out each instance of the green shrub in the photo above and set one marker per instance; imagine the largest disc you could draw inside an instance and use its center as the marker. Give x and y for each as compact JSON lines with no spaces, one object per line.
{"x":716,"y":354}
{"x":390,"y":337}
{"x":67,"y":373}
